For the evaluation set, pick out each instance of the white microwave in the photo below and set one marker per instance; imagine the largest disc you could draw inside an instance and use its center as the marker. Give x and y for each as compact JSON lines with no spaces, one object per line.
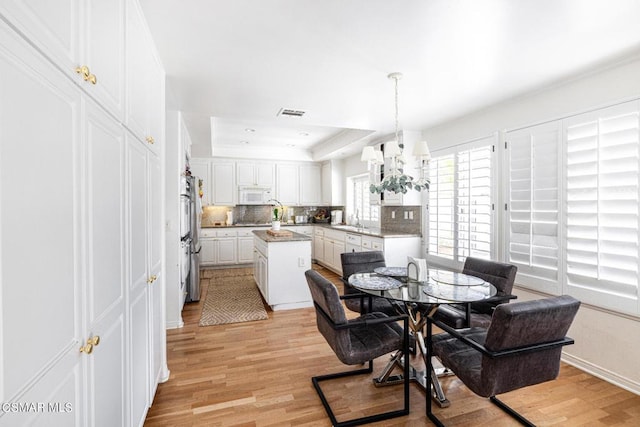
{"x":253,"y":195}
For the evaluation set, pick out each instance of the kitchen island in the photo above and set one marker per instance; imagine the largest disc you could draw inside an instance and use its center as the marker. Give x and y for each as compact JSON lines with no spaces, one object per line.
{"x":279,"y":266}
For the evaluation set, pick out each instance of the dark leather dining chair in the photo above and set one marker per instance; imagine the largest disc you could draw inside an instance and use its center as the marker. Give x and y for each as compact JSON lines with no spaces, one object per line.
{"x":521,"y":347}
{"x":498,"y":274}
{"x":356,"y":341}
{"x":363,"y":262}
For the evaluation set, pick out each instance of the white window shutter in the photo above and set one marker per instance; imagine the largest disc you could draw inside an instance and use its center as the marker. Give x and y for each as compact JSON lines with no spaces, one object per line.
{"x":602,"y":179}
{"x":460,"y":201}
{"x":532,"y":222}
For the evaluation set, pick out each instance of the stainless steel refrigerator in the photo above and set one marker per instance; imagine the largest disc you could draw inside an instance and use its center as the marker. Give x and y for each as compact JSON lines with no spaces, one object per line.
{"x":190,"y":236}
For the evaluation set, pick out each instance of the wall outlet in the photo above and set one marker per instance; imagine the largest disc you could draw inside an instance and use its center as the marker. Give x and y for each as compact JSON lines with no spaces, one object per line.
{"x":393,"y":214}
{"x":301,"y":262}
{"x":410,"y":214}
{"x":406,"y":215}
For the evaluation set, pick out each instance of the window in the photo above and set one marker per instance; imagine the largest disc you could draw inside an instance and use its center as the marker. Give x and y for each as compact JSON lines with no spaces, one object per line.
{"x":602,"y":207}
{"x":460,"y":202}
{"x":532,"y":226}
{"x":361,"y":200}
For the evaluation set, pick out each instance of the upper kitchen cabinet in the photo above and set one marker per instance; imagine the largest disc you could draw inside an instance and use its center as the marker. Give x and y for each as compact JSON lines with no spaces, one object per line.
{"x":144,"y":80}
{"x":249,"y":173}
{"x":310,"y":185}
{"x":298,"y":184}
{"x":288,"y":184}
{"x":85,"y":38}
{"x":332,"y":183}
{"x":223,"y":183}
{"x":202,"y":170}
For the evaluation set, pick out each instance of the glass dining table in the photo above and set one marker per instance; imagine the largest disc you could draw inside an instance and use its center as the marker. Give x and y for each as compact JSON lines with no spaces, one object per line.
{"x":419,"y":299}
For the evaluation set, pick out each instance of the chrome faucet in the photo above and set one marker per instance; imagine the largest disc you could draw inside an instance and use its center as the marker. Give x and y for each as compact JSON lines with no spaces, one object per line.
{"x":357,"y":224}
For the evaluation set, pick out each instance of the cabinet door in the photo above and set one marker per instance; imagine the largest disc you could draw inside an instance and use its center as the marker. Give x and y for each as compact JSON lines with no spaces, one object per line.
{"x":104,"y":53}
{"x":318,"y":248}
{"x":201,"y":170}
{"x":39,"y":146}
{"x":137,"y":168}
{"x":337,"y":249}
{"x":310,"y":185}
{"x":245,"y":250}
{"x":54,"y":26}
{"x":265,"y":174}
{"x":106,"y":309}
{"x":287,"y":182}
{"x":144,"y":89}
{"x":245,"y":173}
{"x":227,"y":251}
{"x":207,"y":251}
{"x":224,"y":188}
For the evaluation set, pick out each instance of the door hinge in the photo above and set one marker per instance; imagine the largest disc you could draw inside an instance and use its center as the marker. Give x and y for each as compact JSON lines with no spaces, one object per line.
{"x":505,"y":207}
{"x":505,"y":145}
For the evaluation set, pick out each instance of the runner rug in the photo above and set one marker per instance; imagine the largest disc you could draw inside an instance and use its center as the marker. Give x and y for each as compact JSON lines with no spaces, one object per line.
{"x":232,"y":297}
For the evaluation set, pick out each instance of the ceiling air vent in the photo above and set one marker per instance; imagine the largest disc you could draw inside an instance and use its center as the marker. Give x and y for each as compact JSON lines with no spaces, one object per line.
{"x":290,"y":112}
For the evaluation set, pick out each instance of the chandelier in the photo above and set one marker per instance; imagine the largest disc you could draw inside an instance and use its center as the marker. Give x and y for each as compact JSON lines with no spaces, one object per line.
{"x":395,"y":179}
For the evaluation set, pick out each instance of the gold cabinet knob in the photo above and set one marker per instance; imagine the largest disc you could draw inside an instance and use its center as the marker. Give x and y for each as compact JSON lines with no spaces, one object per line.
{"x":84,"y":71}
{"x":150,"y":280}
{"x":87,"y":349}
{"x":150,"y":140}
{"x":94,"y":340}
{"x":86,"y":74}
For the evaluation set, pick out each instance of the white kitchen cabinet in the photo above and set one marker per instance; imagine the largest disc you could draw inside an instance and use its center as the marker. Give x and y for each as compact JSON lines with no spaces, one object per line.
{"x":106,"y":300}
{"x":333,"y":246}
{"x":318,"y":244}
{"x":251,"y":173}
{"x":39,"y":121}
{"x":310,"y":185}
{"x":103,"y":234}
{"x":287,"y":184}
{"x":223,"y":185}
{"x":280,"y":267}
{"x":97,"y":43}
{"x":219,"y":247}
{"x":144,"y":80}
{"x":202,"y":170}
{"x":332,"y":178}
{"x":245,"y":246}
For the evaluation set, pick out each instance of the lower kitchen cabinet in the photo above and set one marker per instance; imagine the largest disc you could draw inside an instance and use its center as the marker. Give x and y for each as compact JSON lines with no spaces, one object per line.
{"x":219,"y":247}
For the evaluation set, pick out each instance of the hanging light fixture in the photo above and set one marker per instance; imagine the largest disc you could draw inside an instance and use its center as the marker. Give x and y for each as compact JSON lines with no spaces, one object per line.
{"x":395,"y":179}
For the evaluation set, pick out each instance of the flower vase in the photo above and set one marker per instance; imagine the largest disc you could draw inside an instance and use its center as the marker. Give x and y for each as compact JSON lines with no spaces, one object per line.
{"x":275,"y":225}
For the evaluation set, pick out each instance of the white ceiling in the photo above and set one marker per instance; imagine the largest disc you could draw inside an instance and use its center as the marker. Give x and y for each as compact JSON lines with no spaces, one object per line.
{"x":233,"y":64}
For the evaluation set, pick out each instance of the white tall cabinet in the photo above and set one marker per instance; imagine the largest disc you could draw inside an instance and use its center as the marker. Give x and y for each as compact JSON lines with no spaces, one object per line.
{"x":81,"y":213}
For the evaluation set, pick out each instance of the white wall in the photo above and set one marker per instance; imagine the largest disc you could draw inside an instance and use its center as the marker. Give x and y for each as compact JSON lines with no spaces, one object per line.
{"x":174,"y":167}
{"x":607,"y":343}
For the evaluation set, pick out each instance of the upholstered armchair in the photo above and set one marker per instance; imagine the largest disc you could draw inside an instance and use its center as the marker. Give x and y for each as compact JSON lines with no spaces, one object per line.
{"x":521,"y":347}
{"x":479,"y":314}
{"x":363,"y":262}
{"x":356,"y":341}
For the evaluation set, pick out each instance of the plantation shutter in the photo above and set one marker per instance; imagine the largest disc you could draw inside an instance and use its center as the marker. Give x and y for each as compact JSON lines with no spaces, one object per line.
{"x":532,"y":235}
{"x":441,"y":206}
{"x":602,"y":206}
{"x":460,"y":201}
{"x":474,"y":203}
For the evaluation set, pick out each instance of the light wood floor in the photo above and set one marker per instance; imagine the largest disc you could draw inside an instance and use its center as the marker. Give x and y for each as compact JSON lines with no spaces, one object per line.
{"x":258,"y":374}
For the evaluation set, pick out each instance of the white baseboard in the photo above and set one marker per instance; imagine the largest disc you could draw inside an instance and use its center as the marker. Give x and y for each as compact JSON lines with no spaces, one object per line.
{"x":603,"y":374}
{"x":175,"y":325}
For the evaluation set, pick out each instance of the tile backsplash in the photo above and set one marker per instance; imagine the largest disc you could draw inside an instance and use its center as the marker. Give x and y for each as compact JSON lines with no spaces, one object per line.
{"x":255,"y":214}
{"x":406,"y":219}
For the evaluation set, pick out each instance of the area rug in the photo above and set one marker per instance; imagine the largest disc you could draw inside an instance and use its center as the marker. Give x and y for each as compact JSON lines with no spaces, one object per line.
{"x":232,"y":297}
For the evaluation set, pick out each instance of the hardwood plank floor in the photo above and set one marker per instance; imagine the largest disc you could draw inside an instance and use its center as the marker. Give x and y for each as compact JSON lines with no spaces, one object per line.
{"x":259,"y":374}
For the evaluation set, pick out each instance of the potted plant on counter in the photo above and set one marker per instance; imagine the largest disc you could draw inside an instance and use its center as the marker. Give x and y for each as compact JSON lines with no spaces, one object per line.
{"x":278,"y":211}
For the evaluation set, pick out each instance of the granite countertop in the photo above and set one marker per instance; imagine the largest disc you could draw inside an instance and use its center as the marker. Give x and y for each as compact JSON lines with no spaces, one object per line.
{"x":375,"y":232}
{"x":295,"y":237}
